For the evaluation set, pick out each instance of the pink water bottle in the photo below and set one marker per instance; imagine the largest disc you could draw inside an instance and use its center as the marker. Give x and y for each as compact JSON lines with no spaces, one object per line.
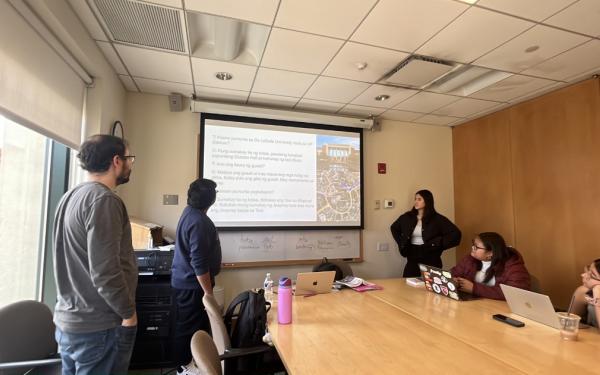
{"x":284,"y":301}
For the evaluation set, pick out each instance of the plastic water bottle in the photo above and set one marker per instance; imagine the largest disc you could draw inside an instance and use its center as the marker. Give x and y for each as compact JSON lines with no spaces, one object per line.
{"x":284,"y":301}
{"x":268,"y":286}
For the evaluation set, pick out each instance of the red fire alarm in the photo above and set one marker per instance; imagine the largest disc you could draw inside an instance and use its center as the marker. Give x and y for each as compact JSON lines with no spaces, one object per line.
{"x":381,"y":168}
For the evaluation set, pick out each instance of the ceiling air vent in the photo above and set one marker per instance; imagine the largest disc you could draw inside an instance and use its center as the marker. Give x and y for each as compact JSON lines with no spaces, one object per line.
{"x":142,"y":24}
{"x":417,"y":71}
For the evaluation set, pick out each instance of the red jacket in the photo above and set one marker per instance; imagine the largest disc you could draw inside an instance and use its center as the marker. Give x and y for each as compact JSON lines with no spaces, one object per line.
{"x":514,"y":274}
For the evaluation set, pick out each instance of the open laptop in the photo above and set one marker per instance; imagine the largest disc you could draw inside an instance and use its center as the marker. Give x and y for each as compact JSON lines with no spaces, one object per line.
{"x":314,"y":282}
{"x":440,"y":281}
{"x":530,"y":305}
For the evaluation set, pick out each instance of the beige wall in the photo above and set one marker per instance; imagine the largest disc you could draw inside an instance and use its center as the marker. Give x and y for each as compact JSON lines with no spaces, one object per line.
{"x":165,"y":144}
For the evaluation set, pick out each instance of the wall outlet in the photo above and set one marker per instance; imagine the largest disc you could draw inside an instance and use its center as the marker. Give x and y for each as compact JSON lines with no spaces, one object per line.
{"x":383,"y":246}
{"x":170,"y":199}
{"x":377,"y":204}
{"x":388,"y":203}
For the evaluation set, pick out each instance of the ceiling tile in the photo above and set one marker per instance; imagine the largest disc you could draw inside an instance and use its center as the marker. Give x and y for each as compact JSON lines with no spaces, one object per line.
{"x":406,"y":24}
{"x":205,"y":70}
{"x":112,"y":57}
{"x":579,"y":60}
{"x":152,"y":86}
{"x":465,"y":107}
{"x":318,"y":106}
{"x":436,"y":120}
{"x":471,"y":36}
{"x":221,"y":95}
{"x":513,"y":57}
{"x":536,"y":10}
{"x":335,"y":89}
{"x":169,"y":3}
{"x":275,"y":101}
{"x":380,"y":61}
{"x":426,"y":102}
{"x":128,"y":83}
{"x":360,"y":111}
{"x":153,"y":64}
{"x":512,"y":87}
{"x":260,"y":11}
{"x":315,"y":16}
{"x":282,"y":82}
{"x":300,"y":52}
{"x":396,"y":95}
{"x":583,"y":16}
{"x":392,"y":114}
{"x":88,"y":19}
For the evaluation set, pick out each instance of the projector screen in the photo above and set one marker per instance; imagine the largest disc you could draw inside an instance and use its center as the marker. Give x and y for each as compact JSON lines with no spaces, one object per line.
{"x":274,"y":174}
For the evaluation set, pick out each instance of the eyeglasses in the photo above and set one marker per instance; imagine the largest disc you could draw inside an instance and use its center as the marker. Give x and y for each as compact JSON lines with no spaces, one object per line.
{"x":473,"y":246}
{"x":588,"y":272}
{"x":132,"y":157}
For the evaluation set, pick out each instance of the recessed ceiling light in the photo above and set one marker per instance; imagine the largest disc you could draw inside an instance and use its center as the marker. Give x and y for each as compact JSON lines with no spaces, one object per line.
{"x":361,"y":65}
{"x":224,"y":76}
{"x":532,"y":49}
{"x":381,"y":98}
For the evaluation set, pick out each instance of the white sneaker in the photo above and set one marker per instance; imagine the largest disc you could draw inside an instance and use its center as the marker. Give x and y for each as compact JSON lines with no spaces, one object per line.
{"x":189,"y":369}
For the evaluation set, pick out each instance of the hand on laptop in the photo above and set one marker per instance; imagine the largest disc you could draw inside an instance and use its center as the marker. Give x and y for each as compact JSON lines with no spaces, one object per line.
{"x":464,"y":285}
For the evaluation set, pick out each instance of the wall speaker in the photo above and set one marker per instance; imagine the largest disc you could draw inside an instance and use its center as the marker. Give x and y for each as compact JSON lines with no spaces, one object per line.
{"x":175,"y":103}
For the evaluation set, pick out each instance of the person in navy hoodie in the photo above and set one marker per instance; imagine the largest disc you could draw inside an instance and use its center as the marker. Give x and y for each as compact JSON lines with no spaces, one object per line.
{"x":196,"y":262}
{"x":490,"y":264}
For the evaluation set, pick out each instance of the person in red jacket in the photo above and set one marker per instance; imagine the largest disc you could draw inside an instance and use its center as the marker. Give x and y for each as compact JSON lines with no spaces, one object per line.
{"x":490,"y":264}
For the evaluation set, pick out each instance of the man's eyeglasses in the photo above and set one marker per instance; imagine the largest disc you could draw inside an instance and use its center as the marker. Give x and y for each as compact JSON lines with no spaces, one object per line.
{"x":132,"y":157}
{"x":474,"y":247}
{"x":588,"y":272}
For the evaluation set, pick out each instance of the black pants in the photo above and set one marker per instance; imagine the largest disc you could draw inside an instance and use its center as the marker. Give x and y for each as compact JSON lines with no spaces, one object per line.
{"x":190,"y":317}
{"x":418,"y":255}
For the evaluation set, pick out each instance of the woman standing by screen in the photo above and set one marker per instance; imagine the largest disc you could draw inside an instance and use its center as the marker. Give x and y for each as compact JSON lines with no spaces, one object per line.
{"x":423,"y":234}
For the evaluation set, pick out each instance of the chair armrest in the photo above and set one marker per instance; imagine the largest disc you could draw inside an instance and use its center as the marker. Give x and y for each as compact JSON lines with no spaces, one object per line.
{"x":33,"y":363}
{"x":241,"y":352}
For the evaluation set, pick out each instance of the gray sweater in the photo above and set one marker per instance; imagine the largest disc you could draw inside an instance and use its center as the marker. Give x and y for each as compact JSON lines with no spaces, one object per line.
{"x":94,"y":265}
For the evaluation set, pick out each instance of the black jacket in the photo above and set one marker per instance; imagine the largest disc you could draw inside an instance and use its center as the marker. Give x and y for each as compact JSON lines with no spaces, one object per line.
{"x":439,"y":234}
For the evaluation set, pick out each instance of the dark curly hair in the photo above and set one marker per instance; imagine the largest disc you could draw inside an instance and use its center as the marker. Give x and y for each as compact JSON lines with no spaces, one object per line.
{"x":202,"y":193}
{"x":97,"y":152}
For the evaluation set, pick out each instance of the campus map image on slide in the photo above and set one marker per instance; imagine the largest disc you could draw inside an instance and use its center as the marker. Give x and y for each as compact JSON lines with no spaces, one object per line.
{"x":338,"y":179}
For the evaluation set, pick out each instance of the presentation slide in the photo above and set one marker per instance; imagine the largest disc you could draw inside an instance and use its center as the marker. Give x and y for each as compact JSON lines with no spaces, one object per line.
{"x":281,"y":176}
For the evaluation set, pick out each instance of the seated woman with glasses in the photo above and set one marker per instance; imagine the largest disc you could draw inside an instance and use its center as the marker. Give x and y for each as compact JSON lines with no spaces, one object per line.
{"x":586,"y":302}
{"x":490,"y":264}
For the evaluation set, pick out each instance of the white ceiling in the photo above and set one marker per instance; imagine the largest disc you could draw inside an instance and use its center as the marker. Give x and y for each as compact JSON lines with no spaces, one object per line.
{"x":310,"y":58}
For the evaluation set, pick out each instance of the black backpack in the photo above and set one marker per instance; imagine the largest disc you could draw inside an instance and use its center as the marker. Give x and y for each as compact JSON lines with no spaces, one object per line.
{"x":325,"y":265}
{"x":251,"y":318}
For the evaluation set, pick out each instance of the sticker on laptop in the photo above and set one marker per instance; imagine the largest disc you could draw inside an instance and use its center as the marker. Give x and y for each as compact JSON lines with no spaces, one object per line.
{"x":436,"y":288}
{"x":437,"y":280}
{"x":451,"y":286}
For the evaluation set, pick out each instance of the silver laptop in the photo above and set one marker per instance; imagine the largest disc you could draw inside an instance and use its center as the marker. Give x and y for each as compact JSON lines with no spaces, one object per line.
{"x":530,"y":305}
{"x":314,"y":282}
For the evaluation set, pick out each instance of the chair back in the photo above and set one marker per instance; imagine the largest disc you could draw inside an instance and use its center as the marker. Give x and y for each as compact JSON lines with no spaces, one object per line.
{"x":205,"y":354}
{"x":217,"y":326}
{"x":27,"y":332}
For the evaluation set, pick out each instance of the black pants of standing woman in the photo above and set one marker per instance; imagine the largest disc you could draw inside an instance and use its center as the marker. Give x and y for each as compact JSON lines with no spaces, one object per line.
{"x":418,"y":254}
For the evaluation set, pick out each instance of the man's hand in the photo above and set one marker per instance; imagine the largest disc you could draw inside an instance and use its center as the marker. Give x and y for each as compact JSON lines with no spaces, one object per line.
{"x":130,"y":322}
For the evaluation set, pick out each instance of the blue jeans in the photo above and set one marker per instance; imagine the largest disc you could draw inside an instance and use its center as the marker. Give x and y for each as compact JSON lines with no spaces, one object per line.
{"x":96,"y":353}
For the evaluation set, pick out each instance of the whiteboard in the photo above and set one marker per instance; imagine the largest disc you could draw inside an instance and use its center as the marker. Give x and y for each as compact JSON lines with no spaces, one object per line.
{"x":288,"y":246}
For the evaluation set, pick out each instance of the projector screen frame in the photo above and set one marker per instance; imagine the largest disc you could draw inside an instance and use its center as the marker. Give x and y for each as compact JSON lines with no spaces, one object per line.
{"x":294,"y":124}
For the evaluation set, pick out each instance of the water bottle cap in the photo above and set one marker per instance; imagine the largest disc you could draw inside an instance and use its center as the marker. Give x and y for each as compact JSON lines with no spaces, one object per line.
{"x":285,"y":282}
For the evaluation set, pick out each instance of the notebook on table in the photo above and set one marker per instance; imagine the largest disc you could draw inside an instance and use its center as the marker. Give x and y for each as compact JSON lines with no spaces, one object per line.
{"x":314,"y":282}
{"x":531,"y":305}
{"x":440,"y":281}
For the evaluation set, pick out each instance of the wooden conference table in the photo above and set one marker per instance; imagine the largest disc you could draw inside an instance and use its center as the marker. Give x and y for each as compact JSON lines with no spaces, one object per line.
{"x":402,"y":329}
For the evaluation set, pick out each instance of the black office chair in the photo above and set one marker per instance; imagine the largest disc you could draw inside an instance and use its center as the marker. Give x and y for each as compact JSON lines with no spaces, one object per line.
{"x":27,"y":339}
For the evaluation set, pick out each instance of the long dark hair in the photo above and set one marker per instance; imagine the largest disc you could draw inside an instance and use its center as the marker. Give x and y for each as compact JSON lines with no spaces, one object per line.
{"x":429,"y":209}
{"x":597,"y":265}
{"x":494,"y":242}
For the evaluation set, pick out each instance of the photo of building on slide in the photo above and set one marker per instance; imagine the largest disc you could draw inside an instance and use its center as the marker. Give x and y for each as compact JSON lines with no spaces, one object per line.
{"x":338,"y":179}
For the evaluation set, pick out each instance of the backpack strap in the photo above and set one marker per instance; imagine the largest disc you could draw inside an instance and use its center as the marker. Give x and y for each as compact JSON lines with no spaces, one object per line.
{"x":241,"y":298}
